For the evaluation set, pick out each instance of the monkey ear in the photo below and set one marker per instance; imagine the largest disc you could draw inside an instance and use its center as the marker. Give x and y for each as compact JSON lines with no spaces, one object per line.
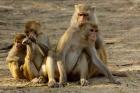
{"x":76,"y":7}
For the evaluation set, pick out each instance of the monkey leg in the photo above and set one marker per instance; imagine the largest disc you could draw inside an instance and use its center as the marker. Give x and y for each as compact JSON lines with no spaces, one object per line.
{"x":102,"y":54}
{"x":14,"y":69}
{"x":83,"y":68}
{"x":50,"y":66}
{"x":100,"y":65}
{"x":30,"y":71}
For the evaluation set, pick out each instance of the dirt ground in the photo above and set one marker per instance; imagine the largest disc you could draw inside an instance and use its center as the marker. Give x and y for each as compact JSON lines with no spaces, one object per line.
{"x":120,"y":26}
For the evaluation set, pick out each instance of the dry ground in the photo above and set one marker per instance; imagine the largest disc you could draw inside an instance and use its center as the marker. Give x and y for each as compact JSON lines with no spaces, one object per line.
{"x":120,"y":25}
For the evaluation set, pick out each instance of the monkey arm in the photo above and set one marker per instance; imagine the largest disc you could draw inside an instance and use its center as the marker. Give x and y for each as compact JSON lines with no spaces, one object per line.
{"x":43,"y":44}
{"x":62,"y":49}
{"x":43,"y":49}
{"x":100,"y":65}
{"x":12,"y":59}
{"x":12,"y":55}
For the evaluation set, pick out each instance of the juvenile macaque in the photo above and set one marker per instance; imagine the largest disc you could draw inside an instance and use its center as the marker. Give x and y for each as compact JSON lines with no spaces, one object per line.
{"x":86,"y":13}
{"x":39,"y":63}
{"x":16,"y":55}
{"x":75,"y":45}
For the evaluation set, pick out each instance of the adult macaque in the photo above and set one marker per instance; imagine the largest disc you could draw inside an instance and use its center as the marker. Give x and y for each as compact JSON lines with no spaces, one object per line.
{"x":72,"y":50}
{"x":16,"y":55}
{"x":39,"y":60}
{"x":86,"y":13}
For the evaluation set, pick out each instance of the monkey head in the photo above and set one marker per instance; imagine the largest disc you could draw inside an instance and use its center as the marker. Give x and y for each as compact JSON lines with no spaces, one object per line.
{"x":84,"y":12}
{"x":18,"y":41}
{"x":89,"y":31}
{"x":32,"y":29}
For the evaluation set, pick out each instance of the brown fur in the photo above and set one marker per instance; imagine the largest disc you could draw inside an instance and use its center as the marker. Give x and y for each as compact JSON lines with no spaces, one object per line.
{"x":16,"y":55}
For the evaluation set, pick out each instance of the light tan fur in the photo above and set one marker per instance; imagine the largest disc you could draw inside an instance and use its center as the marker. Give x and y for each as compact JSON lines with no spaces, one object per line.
{"x":90,"y":11}
{"x":39,"y":63}
{"x":72,"y":51}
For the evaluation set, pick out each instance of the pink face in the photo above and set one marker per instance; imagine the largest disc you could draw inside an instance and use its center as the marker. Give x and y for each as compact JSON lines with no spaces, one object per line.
{"x":92,"y":34}
{"x":19,"y":45}
{"x":82,"y":17}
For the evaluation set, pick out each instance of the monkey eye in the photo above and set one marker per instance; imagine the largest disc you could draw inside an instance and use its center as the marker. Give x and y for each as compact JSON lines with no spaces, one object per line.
{"x":18,"y":42}
{"x":83,"y":14}
{"x":27,"y":32}
{"x":96,"y":30}
{"x":91,"y":30}
{"x":34,"y":31}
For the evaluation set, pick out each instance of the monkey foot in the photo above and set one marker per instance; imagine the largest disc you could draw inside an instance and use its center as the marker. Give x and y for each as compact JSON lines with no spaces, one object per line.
{"x":52,"y":84}
{"x":84,"y":82}
{"x":35,"y":80}
{"x":62,"y":84}
{"x":38,"y":80}
{"x":41,"y":79}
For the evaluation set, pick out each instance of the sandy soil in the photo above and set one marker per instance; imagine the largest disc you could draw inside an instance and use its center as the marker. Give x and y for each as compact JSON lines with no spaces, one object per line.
{"x":120,"y":26}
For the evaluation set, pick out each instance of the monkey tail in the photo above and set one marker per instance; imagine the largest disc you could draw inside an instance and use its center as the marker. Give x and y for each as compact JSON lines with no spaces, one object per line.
{"x":7,"y":47}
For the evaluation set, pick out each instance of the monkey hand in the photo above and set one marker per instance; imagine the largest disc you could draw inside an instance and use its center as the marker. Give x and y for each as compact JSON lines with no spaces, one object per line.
{"x":32,"y":38}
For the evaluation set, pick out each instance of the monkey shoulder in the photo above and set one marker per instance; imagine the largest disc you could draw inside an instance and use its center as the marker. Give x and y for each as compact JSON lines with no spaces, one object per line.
{"x":43,"y":39}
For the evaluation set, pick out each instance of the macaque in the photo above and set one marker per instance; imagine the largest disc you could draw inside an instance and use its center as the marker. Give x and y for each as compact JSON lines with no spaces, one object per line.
{"x":39,"y":62}
{"x":15,"y":58}
{"x":86,"y":13}
{"x":75,"y":45}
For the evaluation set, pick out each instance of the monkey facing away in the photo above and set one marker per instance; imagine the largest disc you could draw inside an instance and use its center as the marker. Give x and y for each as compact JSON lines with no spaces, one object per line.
{"x":39,"y":63}
{"x":72,"y":50}
{"x":16,"y":55}
{"x":86,"y":13}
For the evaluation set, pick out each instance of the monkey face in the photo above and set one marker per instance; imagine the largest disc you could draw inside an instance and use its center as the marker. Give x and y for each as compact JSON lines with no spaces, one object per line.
{"x":92,"y":34}
{"x":84,"y":12}
{"x":82,"y":17}
{"x":32,"y":26}
{"x":89,"y":31}
{"x":18,"y":41}
{"x":32,"y":35}
{"x":18,"y":44}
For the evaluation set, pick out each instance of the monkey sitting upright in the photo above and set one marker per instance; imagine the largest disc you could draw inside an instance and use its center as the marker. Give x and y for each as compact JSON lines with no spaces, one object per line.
{"x":86,"y":13}
{"x":75,"y":48}
{"x":39,"y":64}
{"x":16,"y":55}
